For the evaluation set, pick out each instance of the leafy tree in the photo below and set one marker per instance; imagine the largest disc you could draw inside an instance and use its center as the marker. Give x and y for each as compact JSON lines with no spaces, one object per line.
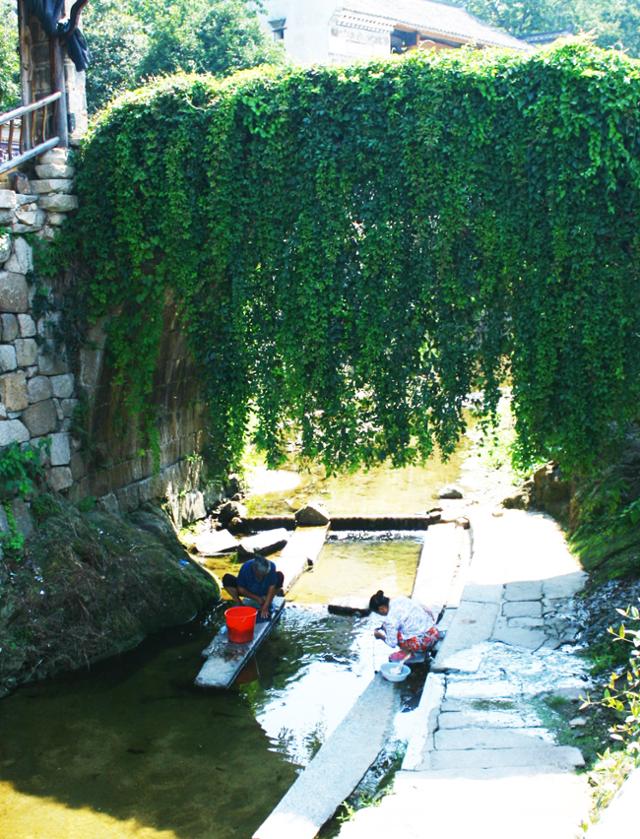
{"x":357,"y":249}
{"x":614,"y":23}
{"x":219,"y":37}
{"x":117,"y":41}
{"x":521,"y":16}
{"x":9,"y":61}
{"x":134,"y":40}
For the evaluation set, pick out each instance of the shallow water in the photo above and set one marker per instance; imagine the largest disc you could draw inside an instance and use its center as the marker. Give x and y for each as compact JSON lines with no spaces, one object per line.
{"x":132,"y":749}
{"x":358,"y":568}
{"x":377,"y":491}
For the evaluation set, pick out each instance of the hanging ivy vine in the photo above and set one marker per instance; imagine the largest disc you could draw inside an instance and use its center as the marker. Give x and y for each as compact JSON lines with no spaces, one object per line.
{"x":355,"y":250}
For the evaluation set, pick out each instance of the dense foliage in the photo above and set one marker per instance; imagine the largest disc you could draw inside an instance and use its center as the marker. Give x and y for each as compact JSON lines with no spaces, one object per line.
{"x":9,"y":63}
{"x":612,"y":23}
{"x":355,"y":250}
{"x":136,"y":39}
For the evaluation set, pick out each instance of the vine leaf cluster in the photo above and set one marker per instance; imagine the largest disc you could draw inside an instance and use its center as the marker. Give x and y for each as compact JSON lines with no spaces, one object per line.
{"x":353,"y":251}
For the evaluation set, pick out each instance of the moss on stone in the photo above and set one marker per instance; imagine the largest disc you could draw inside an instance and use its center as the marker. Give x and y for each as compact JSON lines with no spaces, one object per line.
{"x":92,"y":585}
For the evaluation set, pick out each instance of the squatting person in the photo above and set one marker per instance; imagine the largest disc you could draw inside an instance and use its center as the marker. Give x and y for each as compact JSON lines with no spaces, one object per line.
{"x":406,"y":625}
{"x":257,"y":581}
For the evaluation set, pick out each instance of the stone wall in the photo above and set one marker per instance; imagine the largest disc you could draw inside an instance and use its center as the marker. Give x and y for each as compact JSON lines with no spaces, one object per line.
{"x":75,"y":403}
{"x":37,"y":386}
{"x":120,"y":473}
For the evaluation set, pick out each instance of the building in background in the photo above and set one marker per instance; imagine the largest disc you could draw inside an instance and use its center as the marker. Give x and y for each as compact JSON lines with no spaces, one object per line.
{"x":334,"y":32}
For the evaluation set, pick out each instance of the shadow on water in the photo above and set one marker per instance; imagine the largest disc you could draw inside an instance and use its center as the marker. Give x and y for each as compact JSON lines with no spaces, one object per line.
{"x":132,"y":749}
{"x":138,"y":751}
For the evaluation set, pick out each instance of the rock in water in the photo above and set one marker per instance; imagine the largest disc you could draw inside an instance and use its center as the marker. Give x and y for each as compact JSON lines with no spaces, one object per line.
{"x":450,"y":492}
{"x":313,"y":515}
{"x":212,"y":542}
{"x":231,"y":510}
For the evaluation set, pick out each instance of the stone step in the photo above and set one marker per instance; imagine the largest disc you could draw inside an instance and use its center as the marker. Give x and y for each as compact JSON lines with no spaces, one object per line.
{"x":491,"y":738}
{"x":266,"y":543}
{"x":566,"y":758}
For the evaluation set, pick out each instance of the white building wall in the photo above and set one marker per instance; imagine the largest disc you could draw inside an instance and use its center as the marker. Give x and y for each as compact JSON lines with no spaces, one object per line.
{"x":306,"y":37}
{"x":353,"y":42}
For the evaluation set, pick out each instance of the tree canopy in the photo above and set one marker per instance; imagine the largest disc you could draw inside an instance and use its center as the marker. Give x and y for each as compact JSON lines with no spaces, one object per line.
{"x":354,"y":251}
{"x":613,"y":23}
{"x":9,"y":61}
{"x":133,"y":40}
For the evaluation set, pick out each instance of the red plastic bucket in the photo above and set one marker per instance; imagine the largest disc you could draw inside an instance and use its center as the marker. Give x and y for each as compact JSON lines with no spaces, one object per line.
{"x":241,"y":623}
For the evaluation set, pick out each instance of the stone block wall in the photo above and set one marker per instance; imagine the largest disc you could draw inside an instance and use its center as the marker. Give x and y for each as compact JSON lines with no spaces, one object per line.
{"x":75,"y":404}
{"x":121,"y":473}
{"x":37,"y":386}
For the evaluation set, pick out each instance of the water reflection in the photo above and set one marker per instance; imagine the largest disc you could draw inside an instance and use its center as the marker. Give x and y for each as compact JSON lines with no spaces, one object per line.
{"x":132,"y":750}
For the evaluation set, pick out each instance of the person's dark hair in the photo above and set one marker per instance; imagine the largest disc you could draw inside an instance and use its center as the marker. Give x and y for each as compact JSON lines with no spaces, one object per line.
{"x":377,"y":600}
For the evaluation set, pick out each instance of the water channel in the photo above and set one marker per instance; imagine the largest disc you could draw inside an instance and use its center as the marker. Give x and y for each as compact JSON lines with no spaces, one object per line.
{"x":132,"y":750}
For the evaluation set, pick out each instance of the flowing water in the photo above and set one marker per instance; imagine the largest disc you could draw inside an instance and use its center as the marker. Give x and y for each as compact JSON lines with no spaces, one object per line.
{"x":377,"y":491}
{"x":132,"y":750}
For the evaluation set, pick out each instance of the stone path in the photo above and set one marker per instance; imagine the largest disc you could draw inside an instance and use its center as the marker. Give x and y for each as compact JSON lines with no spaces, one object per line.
{"x":482,"y":761}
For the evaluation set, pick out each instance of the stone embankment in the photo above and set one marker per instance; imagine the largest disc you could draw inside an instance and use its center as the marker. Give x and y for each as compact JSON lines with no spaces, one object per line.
{"x":37,"y":387}
{"x":72,"y":403}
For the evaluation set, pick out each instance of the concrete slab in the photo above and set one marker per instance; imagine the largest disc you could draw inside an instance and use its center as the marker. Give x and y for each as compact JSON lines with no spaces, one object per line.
{"x":526,"y":623}
{"x":267,"y":542}
{"x":473,"y":624}
{"x":445,"y":622}
{"x":492,"y":738}
{"x":511,"y":716}
{"x":302,"y":549}
{"x":225,"y":660}
{"x":522,"y":609}
{"x":483,"y":689}
{"x":527,"y":590}
{"x":212,"y":542}
{"x":530,"y":639}
{"x":330,"y":778}
{"x":483,"y":594}
{"x":566,"y":758}
{"x":426,"y":721}
{"x":466,"y":661}
{"x":442,"y":552}
{"x":565,"y":586}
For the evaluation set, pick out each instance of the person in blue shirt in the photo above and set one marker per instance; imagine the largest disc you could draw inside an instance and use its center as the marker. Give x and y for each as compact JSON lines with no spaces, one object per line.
{"x":257,"y":581}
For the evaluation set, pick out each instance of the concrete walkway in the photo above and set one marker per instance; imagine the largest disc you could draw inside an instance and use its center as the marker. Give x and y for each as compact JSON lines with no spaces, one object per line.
{"x":482,"y":763}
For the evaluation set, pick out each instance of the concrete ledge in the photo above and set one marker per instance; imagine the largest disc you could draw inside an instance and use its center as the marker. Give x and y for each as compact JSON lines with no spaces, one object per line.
{"x":336,"y":769}
{"x":225,"y":660}
{"x":301,"y":551}
{"x":425,"y":723}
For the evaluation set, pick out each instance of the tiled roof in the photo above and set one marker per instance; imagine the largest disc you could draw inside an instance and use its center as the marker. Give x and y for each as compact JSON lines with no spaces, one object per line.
{"x":434,"y":18}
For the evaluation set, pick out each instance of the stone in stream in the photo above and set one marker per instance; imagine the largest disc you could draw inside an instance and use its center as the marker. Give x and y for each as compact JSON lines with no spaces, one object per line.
{"x":231,"y":510}
{"x":450,"y":492}
{"x":312,"y":515}
{"x":215,"y":542}
{"x":264,"y":543}
{"x":349,"y":606}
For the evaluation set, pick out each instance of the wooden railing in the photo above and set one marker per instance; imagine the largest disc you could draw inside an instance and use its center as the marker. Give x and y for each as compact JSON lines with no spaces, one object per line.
{"x":27,"y":132}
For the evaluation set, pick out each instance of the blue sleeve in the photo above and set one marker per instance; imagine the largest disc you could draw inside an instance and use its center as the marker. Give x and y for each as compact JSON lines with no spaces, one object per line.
{"x":245,"y":576}
{"x":271,"y":579}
